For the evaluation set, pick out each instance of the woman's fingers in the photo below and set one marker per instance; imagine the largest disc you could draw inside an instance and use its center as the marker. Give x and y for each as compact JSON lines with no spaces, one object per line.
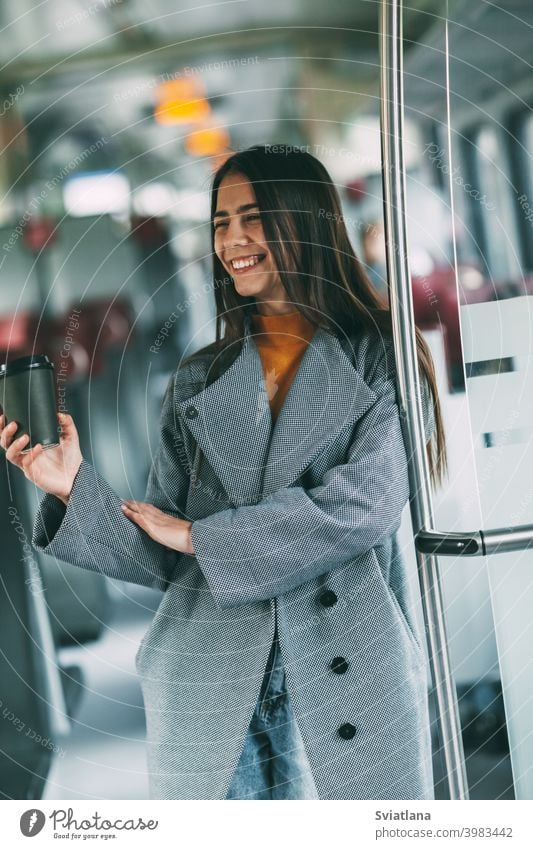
{"x":7,"y":433}
{"x":158,"y":525}
{"x":68,"y":428}
{"x":13,"y":452}
{"x":141,"y":507}
{"x":27,"y":460}
{"x":144,"y":514}
{"x":133,"y":507}
{"x":13,"y":448}
{"x":138,"y":508}
{"x":134,"y":515}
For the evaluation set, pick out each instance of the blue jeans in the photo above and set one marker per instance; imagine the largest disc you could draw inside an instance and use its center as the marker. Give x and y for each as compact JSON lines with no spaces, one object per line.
{"x":273,"y":763}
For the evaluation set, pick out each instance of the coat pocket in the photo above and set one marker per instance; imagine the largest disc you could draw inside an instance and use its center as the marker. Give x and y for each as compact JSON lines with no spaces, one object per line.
{"x":406,"y":624}
{"x":409,"y":632}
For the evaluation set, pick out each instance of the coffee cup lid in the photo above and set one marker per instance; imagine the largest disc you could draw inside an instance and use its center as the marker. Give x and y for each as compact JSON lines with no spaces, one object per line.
{"x":24,"y":363}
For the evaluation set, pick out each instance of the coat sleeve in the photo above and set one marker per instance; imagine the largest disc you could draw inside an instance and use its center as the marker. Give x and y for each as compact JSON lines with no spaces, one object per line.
{"x":92,"y":532}
{"x":255,"y":552}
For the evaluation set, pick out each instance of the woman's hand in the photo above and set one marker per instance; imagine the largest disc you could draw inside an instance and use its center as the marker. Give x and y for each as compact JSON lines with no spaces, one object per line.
{"x":170,"y":532}
{"x":53,"y":470}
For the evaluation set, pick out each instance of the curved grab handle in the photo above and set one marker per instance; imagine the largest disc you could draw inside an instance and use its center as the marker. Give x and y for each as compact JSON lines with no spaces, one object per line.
{"x":493,"y":541}
{"x":449,"y":544}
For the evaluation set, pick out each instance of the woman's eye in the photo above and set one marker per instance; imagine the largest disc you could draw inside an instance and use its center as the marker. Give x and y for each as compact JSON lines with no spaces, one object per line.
{"x":254,"y":216}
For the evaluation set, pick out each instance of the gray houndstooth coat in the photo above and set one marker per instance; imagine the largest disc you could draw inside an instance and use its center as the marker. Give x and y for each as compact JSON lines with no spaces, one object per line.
{"x":293,"y":524}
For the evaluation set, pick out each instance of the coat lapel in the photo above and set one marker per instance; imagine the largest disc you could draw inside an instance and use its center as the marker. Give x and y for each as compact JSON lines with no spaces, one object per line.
{"x":231,"y":422}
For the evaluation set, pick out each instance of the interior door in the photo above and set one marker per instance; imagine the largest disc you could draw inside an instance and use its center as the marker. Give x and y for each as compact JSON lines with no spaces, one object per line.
{"x":458,"y":225}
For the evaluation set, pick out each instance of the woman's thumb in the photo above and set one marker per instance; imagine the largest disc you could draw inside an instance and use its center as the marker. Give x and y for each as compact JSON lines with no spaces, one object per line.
{"x":67,"y":423}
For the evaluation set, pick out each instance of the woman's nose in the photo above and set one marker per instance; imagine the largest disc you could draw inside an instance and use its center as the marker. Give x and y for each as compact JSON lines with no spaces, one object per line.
{"x":234,"y":234}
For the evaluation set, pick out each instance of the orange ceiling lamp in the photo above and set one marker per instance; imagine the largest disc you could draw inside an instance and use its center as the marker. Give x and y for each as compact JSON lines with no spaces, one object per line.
{"x":207,"y":141}
{"x":181,"y":102}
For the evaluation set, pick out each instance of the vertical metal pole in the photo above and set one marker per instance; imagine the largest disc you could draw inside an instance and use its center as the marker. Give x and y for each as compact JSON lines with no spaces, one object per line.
{"x":59,"y":719}
{"x":401,"y":303}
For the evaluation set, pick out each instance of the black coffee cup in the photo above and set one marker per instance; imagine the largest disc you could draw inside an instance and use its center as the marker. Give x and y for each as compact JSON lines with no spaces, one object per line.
{"x":27,"y":396}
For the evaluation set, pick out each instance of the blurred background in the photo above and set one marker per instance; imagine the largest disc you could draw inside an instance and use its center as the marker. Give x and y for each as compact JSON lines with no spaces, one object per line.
{"x":113,"y":118}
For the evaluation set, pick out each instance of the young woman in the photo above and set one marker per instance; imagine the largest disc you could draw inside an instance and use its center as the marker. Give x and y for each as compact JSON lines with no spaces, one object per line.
{"x":283,"y":660}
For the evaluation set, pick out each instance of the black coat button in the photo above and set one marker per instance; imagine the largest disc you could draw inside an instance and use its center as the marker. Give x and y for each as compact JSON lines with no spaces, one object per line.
{"x":191,"y":412}
{"x":339,"y":665}
{"x":328,"y":598}
{"x":347,"y":731}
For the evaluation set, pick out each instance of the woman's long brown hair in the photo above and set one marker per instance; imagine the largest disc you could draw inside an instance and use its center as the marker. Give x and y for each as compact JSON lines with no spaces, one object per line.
{"x":304,"y":227}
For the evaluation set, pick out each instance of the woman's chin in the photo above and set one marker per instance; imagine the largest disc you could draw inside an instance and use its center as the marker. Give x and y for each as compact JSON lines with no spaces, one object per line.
{"x":248,"y":288}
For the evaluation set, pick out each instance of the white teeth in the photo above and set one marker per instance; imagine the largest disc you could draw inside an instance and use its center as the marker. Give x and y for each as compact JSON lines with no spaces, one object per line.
{"x":245,"y":263}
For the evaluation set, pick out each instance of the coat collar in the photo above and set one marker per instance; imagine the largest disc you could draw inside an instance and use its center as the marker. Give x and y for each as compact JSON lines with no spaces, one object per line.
{"x":231,"y":422}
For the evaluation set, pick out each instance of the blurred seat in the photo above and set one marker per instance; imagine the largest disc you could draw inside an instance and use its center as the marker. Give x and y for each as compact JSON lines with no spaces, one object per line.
{"x":16,"y":333}
{"x":105,"y":323}
{"x":436,"y":306}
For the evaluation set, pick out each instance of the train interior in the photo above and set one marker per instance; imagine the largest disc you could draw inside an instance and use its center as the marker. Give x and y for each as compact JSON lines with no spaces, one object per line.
{"x":114,"y":117}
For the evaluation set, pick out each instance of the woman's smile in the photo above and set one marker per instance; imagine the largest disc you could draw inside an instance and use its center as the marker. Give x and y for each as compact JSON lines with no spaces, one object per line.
{"x":243,"y":264}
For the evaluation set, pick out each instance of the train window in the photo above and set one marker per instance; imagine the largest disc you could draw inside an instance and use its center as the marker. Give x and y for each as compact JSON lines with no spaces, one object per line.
{"x":466,"y":232}
{"x":525,"y":190}
{"x":528,"y":144}
{"x":494,"y":195}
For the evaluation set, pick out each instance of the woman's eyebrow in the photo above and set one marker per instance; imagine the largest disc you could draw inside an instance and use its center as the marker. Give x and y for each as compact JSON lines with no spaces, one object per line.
{"x":241,"y":208}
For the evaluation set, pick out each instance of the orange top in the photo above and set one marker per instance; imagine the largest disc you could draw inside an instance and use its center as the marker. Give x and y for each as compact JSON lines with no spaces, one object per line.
{"x":281,"y":343}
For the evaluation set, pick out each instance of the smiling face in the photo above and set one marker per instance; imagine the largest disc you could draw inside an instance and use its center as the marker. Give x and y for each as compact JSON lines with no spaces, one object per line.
{"x":241,"y":247}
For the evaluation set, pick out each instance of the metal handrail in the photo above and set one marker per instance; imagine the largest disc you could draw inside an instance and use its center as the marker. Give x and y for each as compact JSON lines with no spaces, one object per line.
{"x":471,"y":543}
{"x":393,"y":172}
{"x":58,"y":716}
